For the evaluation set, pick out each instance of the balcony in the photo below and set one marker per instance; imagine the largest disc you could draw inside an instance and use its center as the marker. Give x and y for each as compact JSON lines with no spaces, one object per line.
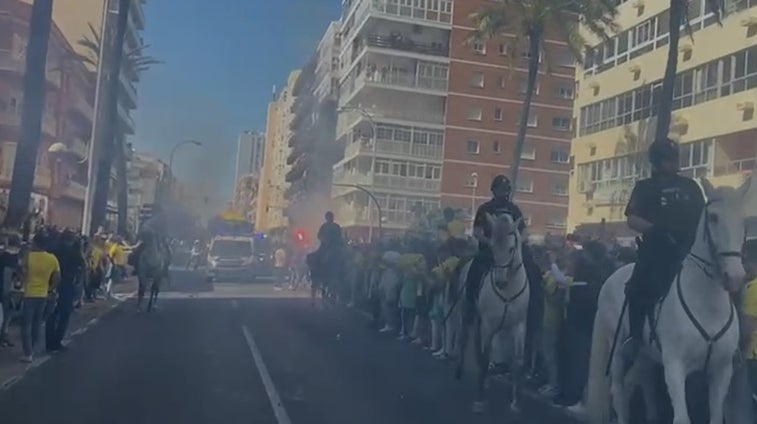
{"x":16,"y":64}
{"x":397,"y":182}
{"x":82,"y":106}
{"x":406,"y":44}
{"x":79,"y":148}
{"x":75,"y":190}
{"x":400,"y":79}
{"x":128,"y":89}
{"x":441,"y":15}
{"x":137,"y":14}
{"x":396,"y":148}
{"x":353,"y":215}
{"x":126,"y":119}
{"x":741,"y":166}
{"x":13,"y":119}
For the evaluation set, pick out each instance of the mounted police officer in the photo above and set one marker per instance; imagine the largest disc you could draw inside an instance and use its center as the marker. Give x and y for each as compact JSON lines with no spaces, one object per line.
{"x":665,"y":209}
{"x":499,"y":205}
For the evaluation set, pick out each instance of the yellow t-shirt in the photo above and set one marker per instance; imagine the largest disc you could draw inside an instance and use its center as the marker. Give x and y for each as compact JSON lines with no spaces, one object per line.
{"x":118,"y":254}
{"x":40,"y":267}
{"x":96,"y":256}
{"x":749,"y":308}
{"x":456,"y":229}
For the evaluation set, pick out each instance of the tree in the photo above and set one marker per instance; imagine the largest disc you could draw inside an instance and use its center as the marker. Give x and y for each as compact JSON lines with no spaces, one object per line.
{"x":678,"y":16}
{"x":524,"y":22}
{"x":132,"y":62}
{"x":35,"y":89}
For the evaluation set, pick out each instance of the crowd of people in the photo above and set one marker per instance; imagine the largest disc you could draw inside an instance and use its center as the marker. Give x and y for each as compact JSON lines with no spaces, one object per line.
{"x":44,"y":280}
{"x":414,"y":286}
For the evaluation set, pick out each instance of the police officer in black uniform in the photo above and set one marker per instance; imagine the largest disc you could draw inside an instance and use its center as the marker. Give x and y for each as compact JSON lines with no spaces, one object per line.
{"x":665,"y":209}
{"x":499,"y":205}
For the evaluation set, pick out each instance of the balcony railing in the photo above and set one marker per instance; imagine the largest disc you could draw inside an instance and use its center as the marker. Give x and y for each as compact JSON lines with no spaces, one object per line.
{"x":736,"y":167}
{"x":399,"y":42}
{"x":75,"y":190}
{"x":49,"y":126}
{"x":397,"y":148}
{"x":407,"y":183}
{"x":405,"y":80}
{"x":443,"y":14}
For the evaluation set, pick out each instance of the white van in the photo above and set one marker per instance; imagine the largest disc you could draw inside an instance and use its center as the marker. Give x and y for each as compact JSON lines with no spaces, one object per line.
{"x":231,"y":257}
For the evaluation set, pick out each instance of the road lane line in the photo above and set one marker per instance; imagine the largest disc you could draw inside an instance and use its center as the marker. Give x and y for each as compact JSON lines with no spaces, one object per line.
{"x":273,"y":396}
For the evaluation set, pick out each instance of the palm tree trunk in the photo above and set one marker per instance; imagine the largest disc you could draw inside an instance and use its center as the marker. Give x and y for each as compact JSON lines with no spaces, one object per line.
{"x":35,"y":88}
{"x":665,"y":108}
{"x":122,"y":186}
{"x":534,"y":47}
{"x":111,"y":121}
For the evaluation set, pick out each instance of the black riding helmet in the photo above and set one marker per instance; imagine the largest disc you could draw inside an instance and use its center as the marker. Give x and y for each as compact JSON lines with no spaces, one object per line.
{"x":662,"y":150}
{"x":501,"y":181}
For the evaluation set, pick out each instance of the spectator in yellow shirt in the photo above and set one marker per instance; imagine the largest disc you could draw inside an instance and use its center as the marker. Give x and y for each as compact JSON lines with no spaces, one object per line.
{"x":749,"y":311}
{"x":97,"y":258}
{"x":41,"y":276}
{"x":118,"y":255}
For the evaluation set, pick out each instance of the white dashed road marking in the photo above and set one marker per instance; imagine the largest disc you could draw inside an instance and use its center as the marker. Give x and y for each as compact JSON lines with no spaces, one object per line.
{"x":273,"y":396}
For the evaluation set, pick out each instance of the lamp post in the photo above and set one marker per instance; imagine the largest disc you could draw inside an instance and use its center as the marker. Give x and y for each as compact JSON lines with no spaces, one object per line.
{"x":170,"y":160}
{"x":375,"y":202}
{"x":372,"y":174}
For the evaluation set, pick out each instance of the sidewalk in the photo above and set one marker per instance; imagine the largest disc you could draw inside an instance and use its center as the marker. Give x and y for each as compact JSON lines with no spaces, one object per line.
{"x":11,"y":369}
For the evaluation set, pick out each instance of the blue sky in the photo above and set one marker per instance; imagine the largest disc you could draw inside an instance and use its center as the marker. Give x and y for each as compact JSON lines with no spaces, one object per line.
{"x":222,"y":58}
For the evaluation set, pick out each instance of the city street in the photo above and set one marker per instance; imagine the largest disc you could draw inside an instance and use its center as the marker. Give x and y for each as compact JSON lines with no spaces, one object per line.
{"x":227,"y":353}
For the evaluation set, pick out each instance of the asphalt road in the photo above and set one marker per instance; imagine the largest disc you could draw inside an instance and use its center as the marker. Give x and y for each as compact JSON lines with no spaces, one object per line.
{"x":240,"y":353}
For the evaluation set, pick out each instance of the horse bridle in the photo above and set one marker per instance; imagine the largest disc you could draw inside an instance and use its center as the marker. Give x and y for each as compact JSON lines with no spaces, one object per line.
{"x":509,"y":264}
{"x":704,"y":264}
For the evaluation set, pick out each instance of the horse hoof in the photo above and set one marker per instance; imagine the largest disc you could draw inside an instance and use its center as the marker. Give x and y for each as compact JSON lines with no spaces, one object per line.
{"x":479,"y":407}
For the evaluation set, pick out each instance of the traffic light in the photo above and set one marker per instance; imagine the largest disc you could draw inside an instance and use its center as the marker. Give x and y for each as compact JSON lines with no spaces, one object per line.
{"x":299,"y":235}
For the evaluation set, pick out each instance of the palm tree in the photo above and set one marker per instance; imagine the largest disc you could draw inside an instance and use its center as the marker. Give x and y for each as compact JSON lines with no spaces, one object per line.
{"x":524,"y":22}
{"x":35,"y":88}
{"x":133,"y":62}
{"x":678,"y":17}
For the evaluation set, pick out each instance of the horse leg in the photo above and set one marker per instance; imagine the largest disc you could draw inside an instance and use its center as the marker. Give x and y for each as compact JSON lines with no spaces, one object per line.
{"x":461,"y":347}
{"x":621,"y":398}
{"x":141,"y":291}
{"x":719,"y":383}
{"x":648,"y":389}
{"x":675,"y":378}
{"x":519,"y":348}
{"x":482,"y":342}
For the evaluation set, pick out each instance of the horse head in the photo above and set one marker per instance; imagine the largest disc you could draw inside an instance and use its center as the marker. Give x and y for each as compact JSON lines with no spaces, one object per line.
{"x":505,"y":242}
{"x":723,"y":228}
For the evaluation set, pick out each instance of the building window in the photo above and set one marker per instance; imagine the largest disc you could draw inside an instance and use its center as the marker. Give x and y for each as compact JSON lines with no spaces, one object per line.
{"x":561,"y":123}
{"x":503,"y":49}
{"x":528,"y":153}
{"x":559,"y":156}
{"x":524,"y":185}
{"x":497,"y":113}
{"x":472,"y":147}
{"x":475,"y":114}
{"x":533,"y":120}
{"x":477,"y":80}
{"x":556,"y":222}
{"x":524,"y":88}
{"x":564,"y":92}
{"x":497,"y":147}
{"x":501,"y":81}
{"x":560,"y":188}
{"x":479,"y":47}
{"x":566,"y":59}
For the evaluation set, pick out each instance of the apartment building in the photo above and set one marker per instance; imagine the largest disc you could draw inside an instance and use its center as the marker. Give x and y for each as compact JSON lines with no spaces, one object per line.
{"x":250,"y":153}
{"x":438,"y":115}
{"x":313,"y":141}
{"x":272,"y":185}
{"x":486,"y":91}
{"x":246,"y":192}
{"x":618,"y":88}
{"x":60,"y":177}
{"x":393,"y":92}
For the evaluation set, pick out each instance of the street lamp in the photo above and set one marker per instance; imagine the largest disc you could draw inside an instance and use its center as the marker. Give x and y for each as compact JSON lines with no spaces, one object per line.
{"x":473,"y":184}
{"x":170,"y":159}
{"x":374,"y":141}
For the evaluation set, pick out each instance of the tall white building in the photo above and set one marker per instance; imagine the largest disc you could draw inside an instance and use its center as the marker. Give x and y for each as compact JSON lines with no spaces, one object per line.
{"x":393,"y":89}
{"x":250,"y":152}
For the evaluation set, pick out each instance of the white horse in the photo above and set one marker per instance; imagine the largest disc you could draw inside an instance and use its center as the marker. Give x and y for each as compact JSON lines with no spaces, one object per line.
{"x":502,"y":306}
{"x":696,"y":325}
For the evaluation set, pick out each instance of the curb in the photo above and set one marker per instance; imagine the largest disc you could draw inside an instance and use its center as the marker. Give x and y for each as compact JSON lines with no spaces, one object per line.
{"x":11,"y":381}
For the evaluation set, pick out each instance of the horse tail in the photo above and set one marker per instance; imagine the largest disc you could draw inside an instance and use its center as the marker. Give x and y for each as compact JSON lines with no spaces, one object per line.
{"x":598,"y":398}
